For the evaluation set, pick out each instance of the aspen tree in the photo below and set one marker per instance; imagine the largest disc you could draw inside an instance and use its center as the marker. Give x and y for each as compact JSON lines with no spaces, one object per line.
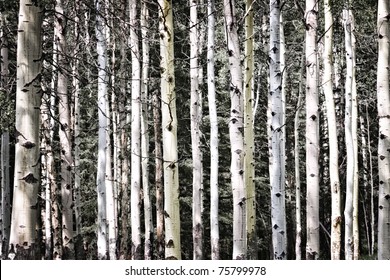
{"x":148,"y":245}
{"x":23,"y":237}
{"x":169,"y":133}
{"x":135,"y":134}
{"x":312,"y":133}
{"x":102,"y":141}
{"x":383,"y":97}
{"x":195,"y":112}
{"x":277,"y":168}
{"x":236,"y":132}
{"x":64,"y":133}
{"x":332,"y":130}
{"x":249,"y":170}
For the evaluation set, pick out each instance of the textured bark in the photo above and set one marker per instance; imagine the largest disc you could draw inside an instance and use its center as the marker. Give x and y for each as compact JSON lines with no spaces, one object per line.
{"x":195,"y":112}
{"x":249,"y":169}
{"x":236,"y":133}
{"x":148,"y":246}
{"x":158,"y":178}
{"x":135,"y":135}
{"x":64,"y":133}
{"x":276,"y":138}
{"x":312,"y":134}
{"x":214,"y":154}
{"x":297,"y":162}
{"x":351,"y":156}
{"x":101,"y":47}
{"x":383,"y":95}
{"x":169,"y":131}
{"x":332,"y":131}
{"x":23,"y":237}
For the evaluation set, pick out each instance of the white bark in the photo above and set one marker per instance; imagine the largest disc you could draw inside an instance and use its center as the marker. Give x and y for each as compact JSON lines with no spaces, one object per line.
{"x":312,"y":133}
{"x":64,"y":133}
{"x":249,"y":168}
{"x":332,"y":130}
{"x":135,"y":134}
{"x":383,"y":95}
{"x":214,"y":155}
{"x":277,"y":153}
{"x":148,"y":247}
{"x":195,"y":112}
{"x":351,"y":156}
{"x":236,"y":132}
{"x":169,"y":126}
{"x":23,"y":236}
{"x":101,"y":168}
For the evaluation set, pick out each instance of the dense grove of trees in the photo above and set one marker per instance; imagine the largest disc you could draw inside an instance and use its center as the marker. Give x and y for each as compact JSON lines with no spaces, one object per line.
{"x":195,"y":129}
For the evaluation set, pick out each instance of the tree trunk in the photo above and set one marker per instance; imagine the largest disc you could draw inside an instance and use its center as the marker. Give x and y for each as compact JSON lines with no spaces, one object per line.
{"x":383,"y":96}
{"x":64,"y":134}
{"x":249,"y":168}
{"x":102,"y":142}
{"x":332,"y":130}
{"x":169,"y":126}
{"x":236,"y":133}
{"x":158,"y":177}
{"x":135,"y":135}
{"x":277,"y":153}
{"x":297,"y":161}
{"x":312,"y":133}
{"x":148,"y":246}
{"x":214,"y":156}
{"x":351,"y":157}
{"x":195,"y":112}
{"x":23,"y":237}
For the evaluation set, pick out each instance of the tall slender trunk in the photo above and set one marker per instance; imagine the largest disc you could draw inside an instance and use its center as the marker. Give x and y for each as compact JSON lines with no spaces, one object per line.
{"x":277,"y":153}
{"x":297,"y":162}
{"x":158,"y":177}
{"x":351,"y":156}
{"x":102,"y":136}
{"x":169,"y":126}
{"x":383,"y":97}
{"x":135,"y":134}
{"x":195,"y":112}
{"x":249,"y":168}
{"x":332,"y":130}
{"x":312,"y":134}
{"x":23,"y":237}
{"x":148,"y":246}
{"x":214,"y":155}
{"x":236,"y":132}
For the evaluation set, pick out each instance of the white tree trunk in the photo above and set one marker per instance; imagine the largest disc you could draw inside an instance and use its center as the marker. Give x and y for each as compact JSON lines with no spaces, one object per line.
{"x":214,"y":155}
{"x":277,"y":153}
{"x":383,"y":95}
{"x":236,"y":133}
{"x":23,"y":238}
{"x":332,"y":130}
{"x":135,"y":134}
{"x":148,"y":247}
{"x":351,"y":157}
{"x":297,"y":163}
{"x":195,"y":112}
{"x":64,"y":133}
{"x":312,"y":133}
{"x":102,"y":142}
{"x":169,"y":126}
{"x":249,"y":142}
